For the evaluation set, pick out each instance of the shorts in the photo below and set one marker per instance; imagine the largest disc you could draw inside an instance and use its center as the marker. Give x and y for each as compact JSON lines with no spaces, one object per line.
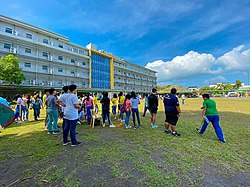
{"x":114,"y":109}
{"x":119,"y":106}
{"x":171,"y":118}
{"x":153,"y":111}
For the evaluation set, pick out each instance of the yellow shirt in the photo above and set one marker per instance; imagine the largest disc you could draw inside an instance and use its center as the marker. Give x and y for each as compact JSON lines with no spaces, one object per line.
{"x":95,"y":100}
{"x":121,"y":99}
{"x":115,"y":101}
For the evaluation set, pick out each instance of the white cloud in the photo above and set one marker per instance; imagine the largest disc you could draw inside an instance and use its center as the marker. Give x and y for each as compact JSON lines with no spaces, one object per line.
{"x":237,"y":59}
{"x":193,"y":64}
{"x":215,"y":80}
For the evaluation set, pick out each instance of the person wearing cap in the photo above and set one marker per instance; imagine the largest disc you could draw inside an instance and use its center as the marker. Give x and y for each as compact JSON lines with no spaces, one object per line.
{"x":153,"y":107}
{"x":172,"y":112}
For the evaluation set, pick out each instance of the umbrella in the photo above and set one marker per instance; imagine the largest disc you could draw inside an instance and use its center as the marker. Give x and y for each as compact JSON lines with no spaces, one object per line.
{"x":6,"y":115}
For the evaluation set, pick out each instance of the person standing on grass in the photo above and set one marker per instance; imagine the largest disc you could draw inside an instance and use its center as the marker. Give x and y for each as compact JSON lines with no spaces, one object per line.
{"x":89,"y":106}
{"x":183,"y":97}
{"x":153,"y":107}
{"x":95,"y":100}
{"x":105,"y":109}
{"x":18,"y":109}
{"x":36,"y":105}
{"x":63,"y":97}
{"x":145,"y":104}
{"x":121,"y":99}
{"x":134,"y":101}
{"x":52,"y":104}
{"x":210,"y":114}
{"x":172,"y":112}
{"x":71,"y":104}
{"x":114,"y":101}
{"x":128,"y":110}
{"x":45,"y":95}
{"x":25,"y":110}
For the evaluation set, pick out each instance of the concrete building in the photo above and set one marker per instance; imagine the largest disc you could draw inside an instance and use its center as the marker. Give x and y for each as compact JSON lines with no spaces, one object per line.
{"x":49,"y":59}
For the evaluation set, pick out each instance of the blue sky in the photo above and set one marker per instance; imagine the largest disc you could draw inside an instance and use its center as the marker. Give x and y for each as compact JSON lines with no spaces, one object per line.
{"x":188,"y":43}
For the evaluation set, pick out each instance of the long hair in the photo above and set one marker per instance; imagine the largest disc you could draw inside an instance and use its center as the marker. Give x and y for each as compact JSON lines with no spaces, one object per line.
{"x":127,"y":97}
{"x":133,"y":95}
{"x":87,"y":96}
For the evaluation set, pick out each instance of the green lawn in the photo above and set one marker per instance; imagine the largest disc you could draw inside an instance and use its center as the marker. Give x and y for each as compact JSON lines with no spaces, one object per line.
{"x":128,"y":157}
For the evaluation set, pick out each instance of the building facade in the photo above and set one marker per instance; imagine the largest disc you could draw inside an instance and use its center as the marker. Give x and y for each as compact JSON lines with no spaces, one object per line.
{"x":50,"y":60}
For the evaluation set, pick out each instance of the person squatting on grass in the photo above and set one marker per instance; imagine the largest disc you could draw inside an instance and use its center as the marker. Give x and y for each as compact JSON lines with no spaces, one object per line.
{"x":121,"y":99}
{"x":172,"y":112}
{"x":128,"y":110}
{"x":52,"y":104}
{"x":71,"y":104}
{"x":89,"y":106}
{"x":210,"y":114}
{"x":153,"y":107}
{"x":114,"y":101}
{"x":105,"y":101}
{"x":134,"y":101}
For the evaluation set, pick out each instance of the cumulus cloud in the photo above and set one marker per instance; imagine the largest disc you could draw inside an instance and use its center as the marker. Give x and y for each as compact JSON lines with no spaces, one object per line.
{"x":215,"y":80}
{"x":193,"y":64}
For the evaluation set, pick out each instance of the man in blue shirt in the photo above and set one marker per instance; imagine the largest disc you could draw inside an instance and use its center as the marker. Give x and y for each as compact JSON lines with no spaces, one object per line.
{"x":172,"y":112}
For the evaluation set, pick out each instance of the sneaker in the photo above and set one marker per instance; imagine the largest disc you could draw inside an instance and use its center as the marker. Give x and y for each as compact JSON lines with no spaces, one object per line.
{"x":79,"y":123}
{"x":154,"y":126}
{"x":167,"y":131}
{"x":119,"y":119}
{"x":77,"y":143}
{"x":66,"y":143}
{"x":223,"y":141}
{"x":128,"y":127}
{"x":134,"y":127}
{"x":198,"y":131}
{"x":49,"y":132}
{"x":143,"y":115}
{"x":176,"y":134}
{"x":140,"y":127}
{"x":111,"y":125}
{"x":57,"y":132}
{"x":123,"y":120}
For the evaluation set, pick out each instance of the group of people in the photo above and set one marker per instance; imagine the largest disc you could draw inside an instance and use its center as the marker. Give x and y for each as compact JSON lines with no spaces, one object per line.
{"x":73,"y":109}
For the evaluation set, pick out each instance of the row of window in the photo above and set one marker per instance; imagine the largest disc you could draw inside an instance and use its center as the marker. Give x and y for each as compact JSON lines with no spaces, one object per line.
{"x":45,"y":40}
{"x":45,"y":54}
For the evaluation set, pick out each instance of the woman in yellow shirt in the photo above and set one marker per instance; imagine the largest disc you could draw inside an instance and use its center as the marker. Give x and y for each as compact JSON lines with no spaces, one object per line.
{"x":121,"y":99}
{"x":115,"y":104}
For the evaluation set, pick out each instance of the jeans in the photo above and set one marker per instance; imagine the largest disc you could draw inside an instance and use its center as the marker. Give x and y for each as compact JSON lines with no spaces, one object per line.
{"x":36,"y":113}
{"x":25,"y":113}
{"x":52,"y":118}
{"x":121,"y":113}
{"x":113,"y":109}
{"x":145,"y":110}
{"x":104,"y":115}
{"x":127,"y":118}
{"x":135,"y":111}
{"x":215,"y":120}
{"x":89,"y":114}
{"x":70,"y":125}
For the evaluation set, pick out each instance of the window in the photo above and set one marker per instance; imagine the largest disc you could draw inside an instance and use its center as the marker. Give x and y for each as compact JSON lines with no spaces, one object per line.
{"x":59,"y":83}
{"x":8,"y":30}
{"x":81,"y":52}
{"x":27,"y":65}
{"x":60,"y":70}
{"x":83,"y":63}
{"x":72,"y":60}
{"x":72,"y":82}
{"x":45,"y":54}
{"x":27,"y":50}
{"x":60,"y":58}
{"x":72,"y":72}
{"x":28,"y":35}
{"x":75,"y":50}
{"x":83,"y":84}
{"x":46,"y":41}
{"x":44,"y":67}
{"x":60,"y":45}
{"x":7,"y":46}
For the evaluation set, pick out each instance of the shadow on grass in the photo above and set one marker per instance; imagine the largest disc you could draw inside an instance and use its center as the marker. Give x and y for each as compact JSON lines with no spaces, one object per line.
{"x":117,"y":156}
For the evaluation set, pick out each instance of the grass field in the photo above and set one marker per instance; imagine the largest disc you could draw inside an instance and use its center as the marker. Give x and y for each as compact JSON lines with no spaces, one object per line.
{"x":128,"y":157}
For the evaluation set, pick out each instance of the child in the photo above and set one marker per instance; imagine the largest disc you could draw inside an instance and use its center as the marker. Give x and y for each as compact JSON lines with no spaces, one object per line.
{"x":115,"y":104}
{"x":18,"y":109}
{"x":36,"y":105}
{"x":105,"y":109}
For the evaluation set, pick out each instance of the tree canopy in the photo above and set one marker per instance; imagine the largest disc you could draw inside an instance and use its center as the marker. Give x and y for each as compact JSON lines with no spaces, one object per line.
{"x":10,"y":72}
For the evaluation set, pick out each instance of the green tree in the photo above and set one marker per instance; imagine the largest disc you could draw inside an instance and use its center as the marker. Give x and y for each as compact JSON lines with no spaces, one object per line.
{"x":238,"y":84}
{"x":10,"y":72}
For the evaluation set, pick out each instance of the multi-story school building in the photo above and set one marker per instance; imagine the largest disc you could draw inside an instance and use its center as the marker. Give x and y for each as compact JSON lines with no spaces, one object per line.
{"x":49,"y":59}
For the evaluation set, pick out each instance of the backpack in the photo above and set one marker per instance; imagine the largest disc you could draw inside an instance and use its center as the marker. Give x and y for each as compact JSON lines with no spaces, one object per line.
{"x":123,"y":108}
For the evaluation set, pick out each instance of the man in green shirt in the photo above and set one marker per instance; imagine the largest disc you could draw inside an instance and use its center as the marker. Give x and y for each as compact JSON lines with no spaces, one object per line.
{"x":210,"y":114}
